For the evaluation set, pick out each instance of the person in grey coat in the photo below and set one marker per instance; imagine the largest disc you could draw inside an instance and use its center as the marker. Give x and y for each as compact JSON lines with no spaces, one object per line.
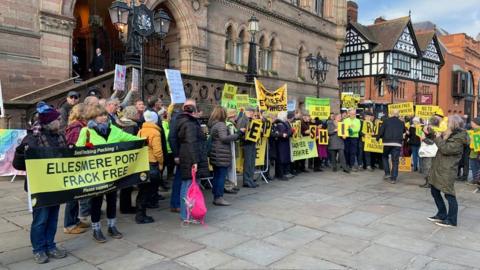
{"x":220,"y":152}
{"x":336,"y":145}
{"x":249,"y":150}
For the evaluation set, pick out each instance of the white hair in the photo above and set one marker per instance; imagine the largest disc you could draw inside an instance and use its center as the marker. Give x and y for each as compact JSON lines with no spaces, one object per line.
{"x":282,"y":116}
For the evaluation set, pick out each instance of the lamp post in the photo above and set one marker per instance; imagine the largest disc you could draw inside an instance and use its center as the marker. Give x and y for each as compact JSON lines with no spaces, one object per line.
{"x":141,"y":23}
{"x":318,"y":67}
{"x":253,"y":28}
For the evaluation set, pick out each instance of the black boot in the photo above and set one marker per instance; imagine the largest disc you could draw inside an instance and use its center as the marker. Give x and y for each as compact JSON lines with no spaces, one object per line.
{"x":98,"y":236}
{"x":142,"y":218}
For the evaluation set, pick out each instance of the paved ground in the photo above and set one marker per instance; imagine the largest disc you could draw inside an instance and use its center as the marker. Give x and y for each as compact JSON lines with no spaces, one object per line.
{"x":317,"y":221}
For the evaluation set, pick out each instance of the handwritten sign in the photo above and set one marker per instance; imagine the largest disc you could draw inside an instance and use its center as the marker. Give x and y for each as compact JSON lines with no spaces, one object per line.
{"x":404,"y":109}
{"x":175,"y":84}
{"x":228,"y":95}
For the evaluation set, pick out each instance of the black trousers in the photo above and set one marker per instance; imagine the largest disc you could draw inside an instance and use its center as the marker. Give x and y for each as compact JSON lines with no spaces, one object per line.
{"x":442,"y":213}
{"x":144,"y":195}
{"x":126,"y":198}
{"x":96,"y":203}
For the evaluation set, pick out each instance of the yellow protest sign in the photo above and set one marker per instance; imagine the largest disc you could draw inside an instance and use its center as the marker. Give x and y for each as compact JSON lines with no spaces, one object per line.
{"x":254,"y":131}
{"x":303,"y":148}
{"x":228,"y":95}
{"x":242,"y":101}
{"x":267,"y":127}
{"x":322,"y":137}
{"x":318,"y":107}
{"x":372,"y":145}
{"x":349,"y":100}
{"x":342,"y":130}
{"x":405,"y":164}
{"x":312,"y":131}
{"x":378,"y":124}
{"x":470,"y":136}
{"x":475,"y":141}
{"x":368,"y":128}
{"x":425,"y":111}
{"x":271,"y":101}
{"x":405,"y":109}
{"x":419,"y":130}
{"x":297,"y":129}
{"x":260,"y":152}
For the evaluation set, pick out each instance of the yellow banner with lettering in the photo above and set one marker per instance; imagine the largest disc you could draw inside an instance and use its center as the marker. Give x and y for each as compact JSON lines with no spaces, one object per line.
{"x":405,"y":109}
{"x":254,"y":131}
{"x":271,"y":101}
{"x":372,"y":145}
{"x":425,"y":111}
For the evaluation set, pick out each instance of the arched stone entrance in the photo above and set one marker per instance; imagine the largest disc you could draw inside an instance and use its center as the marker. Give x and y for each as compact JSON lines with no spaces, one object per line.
{"x":186,"y":44}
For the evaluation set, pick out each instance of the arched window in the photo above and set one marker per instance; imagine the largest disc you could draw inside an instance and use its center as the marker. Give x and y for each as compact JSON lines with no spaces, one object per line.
{"x":229,"y":53}
{"x":269,"y":55}
{"x":318,"y":4}
{"x":301,"y":64}
{"x":239,"y":48}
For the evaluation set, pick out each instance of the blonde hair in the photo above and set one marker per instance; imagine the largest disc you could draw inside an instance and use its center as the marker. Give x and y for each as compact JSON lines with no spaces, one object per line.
{"x":77,"y":113}
{"x":93,"y":111}
{"x":130,"y":112}
{"x":455,"y":122}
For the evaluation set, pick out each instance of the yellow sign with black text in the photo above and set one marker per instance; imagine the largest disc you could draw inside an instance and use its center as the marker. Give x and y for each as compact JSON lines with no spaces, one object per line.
{"x":372,"y":145}
{"x":271,"y":101}
{"x":405,"y":164}
{"x":342,"y":129}
{"x":254,"y":131}
{"x":322,"y":137}
{"x":303,"y":148}
{"x":404,"y":109}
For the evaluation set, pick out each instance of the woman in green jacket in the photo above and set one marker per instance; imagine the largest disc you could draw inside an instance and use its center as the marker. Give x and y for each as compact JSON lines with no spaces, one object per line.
{"x":443,"y":172}
{"x":97,"y":132}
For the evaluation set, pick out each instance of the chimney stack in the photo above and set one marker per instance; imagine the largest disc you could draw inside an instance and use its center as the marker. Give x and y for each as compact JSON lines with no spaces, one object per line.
{"x":379,"y":20}
{"x":352,"y":11}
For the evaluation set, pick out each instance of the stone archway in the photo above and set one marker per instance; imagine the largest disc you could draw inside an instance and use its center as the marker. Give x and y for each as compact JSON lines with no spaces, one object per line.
{"x":193,"y":48}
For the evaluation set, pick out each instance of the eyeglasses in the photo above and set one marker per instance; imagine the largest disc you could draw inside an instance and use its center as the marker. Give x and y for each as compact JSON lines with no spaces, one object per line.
{"x":73,"y":97}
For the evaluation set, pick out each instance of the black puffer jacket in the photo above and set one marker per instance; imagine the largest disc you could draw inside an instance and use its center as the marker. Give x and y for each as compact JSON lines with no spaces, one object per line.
{"x":192,"y":146}
{"x":391,"y":131}
{"x":221,"y":152}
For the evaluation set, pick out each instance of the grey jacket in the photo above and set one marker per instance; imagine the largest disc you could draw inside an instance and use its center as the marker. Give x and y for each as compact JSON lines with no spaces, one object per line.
{"x":334,"y":142}
{"x":221,"y":152}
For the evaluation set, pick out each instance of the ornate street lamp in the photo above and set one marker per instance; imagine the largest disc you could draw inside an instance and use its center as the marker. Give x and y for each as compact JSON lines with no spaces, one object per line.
{"x":141,"y":23}
{"x":318,"y":67}
{"x":253,"y":28}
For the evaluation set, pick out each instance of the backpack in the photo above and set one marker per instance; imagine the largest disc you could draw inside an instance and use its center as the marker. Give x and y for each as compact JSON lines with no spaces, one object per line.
{"x":195,"y":202}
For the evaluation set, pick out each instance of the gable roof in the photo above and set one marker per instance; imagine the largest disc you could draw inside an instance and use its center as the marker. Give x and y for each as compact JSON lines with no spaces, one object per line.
{"x":424,"y":38}
{"x":385,"y":34}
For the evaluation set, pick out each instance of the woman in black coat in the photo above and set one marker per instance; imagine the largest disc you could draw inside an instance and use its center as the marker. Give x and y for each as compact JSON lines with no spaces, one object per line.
{"x":281,"y":133}
{"x":220,"y":152}
{"x":192,"y":152}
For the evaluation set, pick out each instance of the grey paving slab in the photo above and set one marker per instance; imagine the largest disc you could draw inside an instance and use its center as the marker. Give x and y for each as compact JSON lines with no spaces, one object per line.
{"x":382,"y":257}
{"x":205,"y":259}
{"x":418,"y":262}
{"x":195,"y":230}
{"x":436,"y":265}
{"x":14,"y":239}
{"x":254,"y":225}
{"x":167,"y":265}
{"x":456,"y":256}
{"x":361,"y":218}
{"x":171,"y":246}
{"x":259,"y":252}
{"x":15,"y":255}
{"x":458,"y":237}
{"x":239,"y":264}
{"x":136,"y":259}
{"x":222,"y":240}
{"x":52,"y":264}
{"x":414,"y":245}
{"x":78,"y":266}
{"x":351,"y":230}
{"x":98,"y":253}
{"x":7,"y":226}
{"x":301,"y":262}
{"x":294,"y":237}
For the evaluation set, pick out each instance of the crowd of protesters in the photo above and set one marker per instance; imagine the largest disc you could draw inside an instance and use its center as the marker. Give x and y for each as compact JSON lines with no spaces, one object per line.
{"x":178,"y":144}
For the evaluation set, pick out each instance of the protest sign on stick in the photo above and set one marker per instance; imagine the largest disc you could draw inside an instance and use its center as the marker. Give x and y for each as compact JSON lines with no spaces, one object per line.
{"x":175,"y":85}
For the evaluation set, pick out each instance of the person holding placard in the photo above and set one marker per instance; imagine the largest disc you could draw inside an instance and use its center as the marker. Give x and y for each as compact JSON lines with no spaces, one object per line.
{"x":474,"y":156}
{"x":249,"y":150}
{"x":414,"y":142}
{"x":281,"y":133}
{"x":353,"y":126}
{"x":336,"y":145}
{"x":391,"y":133}
{"x":367,"y":130}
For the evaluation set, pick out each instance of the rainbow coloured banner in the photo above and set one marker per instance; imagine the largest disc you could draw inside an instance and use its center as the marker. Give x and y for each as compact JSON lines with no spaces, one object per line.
{"x":9,"y":140}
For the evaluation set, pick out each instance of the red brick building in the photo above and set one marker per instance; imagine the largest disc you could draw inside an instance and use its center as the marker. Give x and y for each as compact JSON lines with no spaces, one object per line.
{"x":390,"y":48}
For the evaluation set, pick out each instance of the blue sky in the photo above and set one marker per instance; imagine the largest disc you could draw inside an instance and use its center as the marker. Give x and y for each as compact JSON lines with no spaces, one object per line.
{"x":455,"y":16}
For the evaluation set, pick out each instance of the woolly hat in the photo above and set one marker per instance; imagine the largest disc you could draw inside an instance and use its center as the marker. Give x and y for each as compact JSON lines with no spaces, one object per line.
{"x":150,"y":116}
{"x":48,"y":116}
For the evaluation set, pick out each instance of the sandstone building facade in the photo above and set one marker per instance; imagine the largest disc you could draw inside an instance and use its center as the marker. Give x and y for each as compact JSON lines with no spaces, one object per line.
{"x":208,"y":39}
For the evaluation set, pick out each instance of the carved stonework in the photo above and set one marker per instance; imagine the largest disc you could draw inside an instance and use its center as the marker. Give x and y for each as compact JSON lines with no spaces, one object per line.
{"x":55,"y":24}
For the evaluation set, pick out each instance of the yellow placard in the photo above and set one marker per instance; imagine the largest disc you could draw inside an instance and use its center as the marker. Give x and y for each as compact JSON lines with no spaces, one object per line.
{"x":303,"y":148}
{"x":322,"y":137}
{"x":372,"y":145}
{"x":349,"y":100}
{"x":425,"y":111}
{"x":405,"y":164}
{"x":475,"y":141}
{"x":271,"y":101}
{"x":313,"y":131}
{"x":267,"y":127}
{"x":254,"y":131}
{"x":378,"y":124}
{"x":342,"y":129}
{"x":228,"y":95}
{"x":242,"y":101}
{"x":320,"y":112}
{"x":297,"y":130}
{"x":405,"y":109}
{"x":260,"y":149}
{"x":368,"y":128}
